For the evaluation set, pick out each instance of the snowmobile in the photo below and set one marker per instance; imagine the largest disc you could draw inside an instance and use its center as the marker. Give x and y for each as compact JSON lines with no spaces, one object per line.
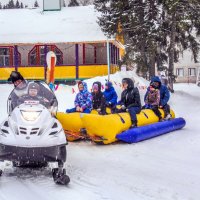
{"x":31,"y":136}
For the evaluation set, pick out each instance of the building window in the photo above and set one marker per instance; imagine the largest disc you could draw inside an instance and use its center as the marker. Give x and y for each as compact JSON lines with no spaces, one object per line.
{"x":180,"y":72}
{"x":37,"y":56}
{"x":192,"y":72}
{"x":7,"y":56}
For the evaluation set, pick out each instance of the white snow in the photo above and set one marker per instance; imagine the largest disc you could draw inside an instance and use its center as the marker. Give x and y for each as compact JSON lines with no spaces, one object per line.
{"x":163,"y":168}
{"x":71,"y":24}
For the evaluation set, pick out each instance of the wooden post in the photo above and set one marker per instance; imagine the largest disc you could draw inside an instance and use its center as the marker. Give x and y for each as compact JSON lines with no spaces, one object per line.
{"x":83,"y":54}
{"x":52,"y":68}
{"x":77,"y":60}
{"x":95,"y":54}
{"x":16,"y":59}
{"x":108,"y":58}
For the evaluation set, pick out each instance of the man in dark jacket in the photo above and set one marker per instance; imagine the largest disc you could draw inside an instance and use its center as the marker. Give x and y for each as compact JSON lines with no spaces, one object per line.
{"x":98,"y":99}
{"x":130,"y":100}
{"x":164,"y":95}
{"x":110,"y":95}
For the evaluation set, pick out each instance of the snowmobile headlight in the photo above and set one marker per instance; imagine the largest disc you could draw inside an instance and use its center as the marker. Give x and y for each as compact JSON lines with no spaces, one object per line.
{"x":30,"y":115}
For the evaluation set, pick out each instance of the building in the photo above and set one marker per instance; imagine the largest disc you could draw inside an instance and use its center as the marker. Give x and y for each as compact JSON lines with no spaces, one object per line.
{"x":26,"y":36}
{"x":186,"y":70}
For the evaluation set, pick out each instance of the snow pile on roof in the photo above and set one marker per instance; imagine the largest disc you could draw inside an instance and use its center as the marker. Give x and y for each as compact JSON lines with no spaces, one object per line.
{"x":71,"y":24}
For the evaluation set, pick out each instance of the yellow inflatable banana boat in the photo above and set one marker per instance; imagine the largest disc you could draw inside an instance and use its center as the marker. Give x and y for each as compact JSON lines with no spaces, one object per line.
{"x":72,"y":124}
{"x":103,"y":128}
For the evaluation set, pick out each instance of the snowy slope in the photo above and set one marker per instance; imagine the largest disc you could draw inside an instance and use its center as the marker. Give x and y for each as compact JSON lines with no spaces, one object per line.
{"x":165,"y":167}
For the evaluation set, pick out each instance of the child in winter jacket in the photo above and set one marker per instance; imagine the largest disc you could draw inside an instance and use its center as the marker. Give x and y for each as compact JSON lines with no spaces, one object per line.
{"x":98,"y":99}
{"x":83,"y":101}
{"x":152,"y":100}
{"x":130,"y":100}
{"x":164,"y":96}
{"x":110,"y":95}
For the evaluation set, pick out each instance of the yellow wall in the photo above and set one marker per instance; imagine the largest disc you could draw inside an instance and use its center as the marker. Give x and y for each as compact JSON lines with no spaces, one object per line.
{"x":61,"y":72}
{"x":88,"y":71}
{"x":65,"y":72}
{"x":32,"y":72}
{"x":5,"y":73}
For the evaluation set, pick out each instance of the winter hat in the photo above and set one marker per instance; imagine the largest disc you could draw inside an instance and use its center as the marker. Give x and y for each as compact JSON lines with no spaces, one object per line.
{"x":15,"y":76}
{"x":80,"y":83}
{"x":95,"y":87}
{"x":34,"y":86}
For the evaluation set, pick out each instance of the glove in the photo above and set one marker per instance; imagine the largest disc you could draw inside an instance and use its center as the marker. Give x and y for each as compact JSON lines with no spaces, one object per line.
{"x":98,"y":109}
{"x":123,"y":107}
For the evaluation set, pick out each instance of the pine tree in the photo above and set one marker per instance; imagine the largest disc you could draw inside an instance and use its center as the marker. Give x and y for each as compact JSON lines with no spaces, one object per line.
{"x":154,"y":30}
{"x":64,"y":3}
{"x":73,"y":3}
{"x":17,"y":5}
{"x":36,"y":5}
{"x":85,"y":2}
{"x":21,"y":5}
{"x":0,"y":6}
{"x":11,"y":4}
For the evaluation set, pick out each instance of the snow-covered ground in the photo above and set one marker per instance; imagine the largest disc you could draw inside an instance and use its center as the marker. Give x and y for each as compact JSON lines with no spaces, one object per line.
{"x":163,"y":168}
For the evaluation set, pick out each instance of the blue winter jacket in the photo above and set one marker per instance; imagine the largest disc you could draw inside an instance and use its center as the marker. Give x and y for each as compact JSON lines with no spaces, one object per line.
{"x":164,"y":92}
{"x":84,"y":98}
{"x":110,"y":94}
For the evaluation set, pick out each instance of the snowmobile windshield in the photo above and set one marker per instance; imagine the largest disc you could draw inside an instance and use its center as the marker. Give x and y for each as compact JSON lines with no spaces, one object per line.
{"x":33,"y":93}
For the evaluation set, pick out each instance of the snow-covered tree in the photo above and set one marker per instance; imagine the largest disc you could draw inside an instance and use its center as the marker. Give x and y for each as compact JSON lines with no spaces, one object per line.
{"x":73,"y":3}
{"x":64,"y":3}
{"x":21,"y":5}
{"x":155,"y":31}
{"x":36,"y":5}
{"x":11,"y":4}
{"x":0,"y":6}
{"x":85,"y":2}
{"x":17,"y":5}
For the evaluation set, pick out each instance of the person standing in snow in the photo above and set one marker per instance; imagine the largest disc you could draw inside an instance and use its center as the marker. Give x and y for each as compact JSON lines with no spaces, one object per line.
{"x":152,"y":100}
{"x":110,"y":95}
{"x":98,"y":99}
{"x":83,"y":100}
{"x":164,"y":96}
{"x":130,"y":100}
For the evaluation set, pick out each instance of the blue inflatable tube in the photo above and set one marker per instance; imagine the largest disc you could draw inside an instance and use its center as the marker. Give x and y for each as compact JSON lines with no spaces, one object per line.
{"x":146,"y":132}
